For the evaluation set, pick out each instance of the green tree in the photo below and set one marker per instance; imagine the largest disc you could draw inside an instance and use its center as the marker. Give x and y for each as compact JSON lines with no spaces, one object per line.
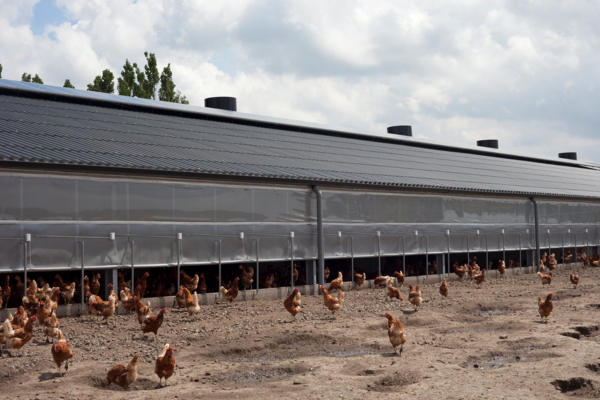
{"x":104,"y":83}
{"x":167,"y":88}
{"x":0,"y":71}
{"x":126,"y":84}
{"x":27,"y":78}
{"x":68,"y":84}
{"x":152,"y":75}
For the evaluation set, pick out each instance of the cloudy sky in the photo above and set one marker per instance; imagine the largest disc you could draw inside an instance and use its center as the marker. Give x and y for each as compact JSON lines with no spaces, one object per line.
{"x":524,"y":72}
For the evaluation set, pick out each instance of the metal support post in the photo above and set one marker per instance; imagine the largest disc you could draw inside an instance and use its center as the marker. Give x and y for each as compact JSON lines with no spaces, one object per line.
{"x":427,"y":256}
{"x":444,"y":266}
{"x":133,"y":269}
{"x":352,"y":259}
{"x":321,"y":243}
{"x":537,"y":233}
{"x":25,"y":267}
{"x":403,"y":256}
{"x":220,"y":280}
{"x":520,"y":256}
{"x":562,"y":237}
{"x":178,"y":263}
{"x":468,"y":248}
{"x":379,"y":252}
{"x":486,"y":252}
{"x":587,"y":243}
{"x":292,"y":263}
{"x":257,"y":267}
{"x":503,"y":246}
{"x":575,"y":254}
{"x":549,"y":244}
{"x":81,"y":252}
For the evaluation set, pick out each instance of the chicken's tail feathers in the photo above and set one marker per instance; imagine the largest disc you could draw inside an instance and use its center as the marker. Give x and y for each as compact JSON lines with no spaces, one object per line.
{"x":540,"y":274}
{"x":162,"y":354}
{"x":223,"y":290}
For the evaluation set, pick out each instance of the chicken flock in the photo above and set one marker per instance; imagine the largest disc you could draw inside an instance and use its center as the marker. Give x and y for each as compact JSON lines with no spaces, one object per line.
{"x":39,"y":305}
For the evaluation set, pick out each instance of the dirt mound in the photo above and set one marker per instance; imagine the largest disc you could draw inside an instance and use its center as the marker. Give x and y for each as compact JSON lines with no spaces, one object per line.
{"x":579,"y":387}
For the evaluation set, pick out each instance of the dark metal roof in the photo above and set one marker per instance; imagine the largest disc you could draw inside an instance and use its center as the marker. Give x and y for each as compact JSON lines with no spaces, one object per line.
{"x":35,"y":129}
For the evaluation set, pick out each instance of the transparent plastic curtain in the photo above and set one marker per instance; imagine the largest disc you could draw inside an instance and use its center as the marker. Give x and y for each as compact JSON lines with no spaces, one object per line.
{"x":152,"y":213}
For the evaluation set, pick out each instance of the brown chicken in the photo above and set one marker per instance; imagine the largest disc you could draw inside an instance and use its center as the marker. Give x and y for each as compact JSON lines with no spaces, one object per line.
{"x":16,"y":338}
{"x":292,"y":302}
{"x":501,"y":267}
{"x":180,"y":297}
{"x":61,"y":352}
{"x":444,"y":289}
{"x":551,"y":262}
{"x":105,"y":308}
{"x":383,"y":281}
{"x":295,"y":274}
{"x":127,"y":301}
{"x":67,"y":293}
{"x":122,"y":283}
{"x":30,"y":304}
{"x":360,"y":279}
{"x":545,"y":307}
{"x":192,"y":305}
{"x":247,"y":278}
{"x":393,"y":293}
{"x":58,"y":282}
{"x":414,"y":296}
{"x":51,"y":325}
{"x":330,"y":302}
{"x":202,"y":289}
{"x":142,"y":310}
{"x":32,"y":287}
{"x":6,"y":290}
{"x":396,"y":332}
{"x":336,"y":284}
{"x":268,"y":281}
{"x":124,"y":375}
{"x":479,"y":278}
{"x":574,"y":279}
{"x":231,"y":294}
{"x":460,"y":272}
{"x":152,"y":324}
{"x":44,"y":311}
{"x":141,"y":282}
{"x":399,"y":277}
{"x":190,"y":283}
{"x":19,"y":287}
{"x":95,"y":284}
{"x":165,"y":364}
{"x":546,"y":279}
{"x":326,"y":274}
{"x":567,"y":257}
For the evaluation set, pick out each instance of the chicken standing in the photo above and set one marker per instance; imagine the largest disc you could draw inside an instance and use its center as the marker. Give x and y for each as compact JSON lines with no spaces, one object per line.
{"x":165,"y":365}
{"x":383,"y":281}
{"x":152,"y":324}
{"x":202,"y":288}
{"x":43,"y":312}
{"x":460,"y":272}
{"x":337,"y":284}
{"x":326,"y":274}
{"x":292,"y":302}
{"x":393,"y":293}
{"x":105,"y":308}
{"x":399,"y":277}
{"x":6,"y":291}
{"x":190,"y":283}
{"x":142,"y":310}
{"x":141,"y":282}
{"x":444,"y":289}
{"x":414,"y":296}
{"x":330,"y":302}
{"x":95,"y":284}
{"x":124,"y":375}
{"x":19,"y":287}
{"x":479,"y":278}
{"x":231,"y":294}
{"x":247,"y":278}
{"x":180,"y":297}
{"x":16,"y":339}
{"x":67,"y":293}
{"x":501,"y":267}
{"x":192,"y":304}
{"x":295,"y":274}
{"x":51,"y":325}
{"x":545,"y":307}
{"x":574,"y":279}
{"x":546,"y":279}
{"x":61,"y":352}
{"x":396,"y":332}
{"x":360,"y":279}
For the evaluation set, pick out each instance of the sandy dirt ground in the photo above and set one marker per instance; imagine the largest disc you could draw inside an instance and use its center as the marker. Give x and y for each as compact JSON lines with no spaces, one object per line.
{"x":477,"y":343}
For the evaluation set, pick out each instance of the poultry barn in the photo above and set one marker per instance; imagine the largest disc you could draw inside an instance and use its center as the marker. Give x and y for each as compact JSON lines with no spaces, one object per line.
{"x":103,"y":184}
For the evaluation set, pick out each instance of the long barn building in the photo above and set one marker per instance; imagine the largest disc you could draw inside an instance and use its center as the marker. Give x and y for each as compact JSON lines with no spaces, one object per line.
{"x":112,"y":183}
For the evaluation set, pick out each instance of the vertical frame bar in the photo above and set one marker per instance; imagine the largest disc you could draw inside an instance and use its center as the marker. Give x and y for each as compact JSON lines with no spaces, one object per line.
{"x":520,"y":253}
{"x":487,"y":262}
{"x":257,"y":267}
{"x":292,"y":262}
{"x":443,"y":266}
{"x":352,"y":259}
{"x":25,"y":267}
{"x":562,"y":237}
{"x":503,"y":246}
{"x":426,"y":255}
{"x":468,"y":249}
{"x":379,"y":252}
{"x":81,"y":251}
{"x":133,"y":269}
{"x":220,"y":281}
{"x":178,"y":263}
{"x":403,"y":256}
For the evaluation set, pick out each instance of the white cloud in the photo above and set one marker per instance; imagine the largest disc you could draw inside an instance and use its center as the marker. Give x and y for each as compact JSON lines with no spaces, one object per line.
{"x":457,"y":71}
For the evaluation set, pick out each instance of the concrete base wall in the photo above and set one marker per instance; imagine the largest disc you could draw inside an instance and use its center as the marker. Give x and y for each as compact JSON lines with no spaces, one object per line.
{"x":73,"y":310}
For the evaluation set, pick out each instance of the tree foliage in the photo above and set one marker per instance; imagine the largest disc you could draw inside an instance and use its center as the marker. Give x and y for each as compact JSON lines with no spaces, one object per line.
{"x":104,"y":83}
{"x":0,"y":71}
{"x":27,"y":78}
{"x":167,"y":88}
{"x":68,"y":84}
{"x":143,"y":83}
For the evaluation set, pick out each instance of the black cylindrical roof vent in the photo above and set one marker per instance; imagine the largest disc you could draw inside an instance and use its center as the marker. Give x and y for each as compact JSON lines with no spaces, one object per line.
{"x":570,"y":156}
{"x":491,"y":143}
{"x":222,"y":103}
{"x":404,"y":130}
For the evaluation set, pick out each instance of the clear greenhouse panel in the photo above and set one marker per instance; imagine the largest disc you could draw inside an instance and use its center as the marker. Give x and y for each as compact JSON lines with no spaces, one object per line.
{"x":150,"y":213}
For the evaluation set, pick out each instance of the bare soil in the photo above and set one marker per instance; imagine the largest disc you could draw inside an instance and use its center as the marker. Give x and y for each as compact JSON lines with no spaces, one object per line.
{"x":477,"y":343}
